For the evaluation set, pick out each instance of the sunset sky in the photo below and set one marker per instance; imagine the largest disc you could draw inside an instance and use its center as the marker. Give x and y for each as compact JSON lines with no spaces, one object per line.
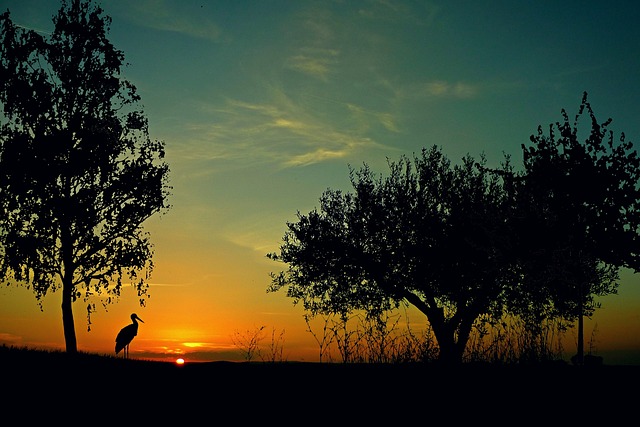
{"x":263,"y":105}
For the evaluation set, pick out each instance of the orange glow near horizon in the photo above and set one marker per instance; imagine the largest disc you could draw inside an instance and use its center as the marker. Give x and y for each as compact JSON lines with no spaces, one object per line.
{"x":204,"y":336}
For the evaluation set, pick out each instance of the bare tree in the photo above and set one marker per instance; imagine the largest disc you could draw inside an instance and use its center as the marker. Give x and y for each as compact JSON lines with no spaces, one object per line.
{"x":248,"y":342}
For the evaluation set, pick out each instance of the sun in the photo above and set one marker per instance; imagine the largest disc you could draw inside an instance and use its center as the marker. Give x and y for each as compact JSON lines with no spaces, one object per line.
{"x":180,"y":361}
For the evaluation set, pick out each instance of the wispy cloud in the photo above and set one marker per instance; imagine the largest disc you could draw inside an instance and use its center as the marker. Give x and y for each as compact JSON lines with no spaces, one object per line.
{"x":170,"y":16}
{"x":313,"y":62}
{"x":293,"y":135}
{"x":316,"y":55}
{"x":283,"y":131}
{"x":316,"y":156}
{"x":169,"y":285}
{"x":441,"y":88}
{"x":10,"y":339}
{"x":367,"y":118}
{"x":316,"y":25}
{"x":438,"y":89}
{"x":259,"y":232}
{"x":422,"y":13}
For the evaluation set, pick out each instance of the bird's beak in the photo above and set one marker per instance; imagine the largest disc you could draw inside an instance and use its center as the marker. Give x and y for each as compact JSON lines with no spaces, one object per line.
{"x":139,"y":319}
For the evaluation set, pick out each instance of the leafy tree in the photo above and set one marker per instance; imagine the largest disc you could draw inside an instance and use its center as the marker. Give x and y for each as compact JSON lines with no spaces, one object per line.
{"x":80,"y":174}
{"x":429,"y":234}
{"x":467,"y":243}
{"x":579,"y":216}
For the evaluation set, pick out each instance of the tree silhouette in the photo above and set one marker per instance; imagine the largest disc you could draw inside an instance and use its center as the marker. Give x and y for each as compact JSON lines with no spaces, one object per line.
{"x":578,"y":216}
{"x":467,"y":243}
{"x":429,"y":234}
{"x":80,"y":174}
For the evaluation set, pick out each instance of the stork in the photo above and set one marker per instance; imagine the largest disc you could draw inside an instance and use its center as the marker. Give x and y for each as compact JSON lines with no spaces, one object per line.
{"x":126,"y":334}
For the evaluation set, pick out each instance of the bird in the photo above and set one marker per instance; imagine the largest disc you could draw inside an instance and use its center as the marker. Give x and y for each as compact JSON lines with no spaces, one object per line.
{"x":126,"y":334}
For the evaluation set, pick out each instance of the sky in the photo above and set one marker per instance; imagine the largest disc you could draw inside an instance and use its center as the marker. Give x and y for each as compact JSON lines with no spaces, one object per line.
{"x":263,"y":105}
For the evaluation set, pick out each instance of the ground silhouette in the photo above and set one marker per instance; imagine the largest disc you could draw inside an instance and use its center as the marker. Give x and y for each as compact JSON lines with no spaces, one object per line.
{"x":301,"y":392}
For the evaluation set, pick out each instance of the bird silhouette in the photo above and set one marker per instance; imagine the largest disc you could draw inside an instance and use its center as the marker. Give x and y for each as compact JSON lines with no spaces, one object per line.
{"x":126,"y":334}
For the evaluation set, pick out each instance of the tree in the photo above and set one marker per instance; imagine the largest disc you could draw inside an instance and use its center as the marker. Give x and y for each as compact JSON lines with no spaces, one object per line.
{"x":428,"y":234}
{"x":80,"y":174}
{"x":579,"y":216}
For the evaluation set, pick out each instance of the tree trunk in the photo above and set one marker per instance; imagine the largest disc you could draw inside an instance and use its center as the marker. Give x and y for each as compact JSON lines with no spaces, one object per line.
{"x":580,"y":354}
{"x":67,"y":316}
{"x":451,"y":350}
{"x":68,"y":324}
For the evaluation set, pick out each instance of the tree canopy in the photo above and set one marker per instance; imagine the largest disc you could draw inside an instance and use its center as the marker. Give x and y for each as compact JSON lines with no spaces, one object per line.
{"x":80,"y":174}
{"x":465,"y":243}
{"x":427,"y":234}
{"x":578,"y":214}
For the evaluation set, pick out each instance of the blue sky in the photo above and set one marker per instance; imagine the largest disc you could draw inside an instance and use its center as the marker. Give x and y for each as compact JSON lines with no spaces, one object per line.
{"x":264,"y":104}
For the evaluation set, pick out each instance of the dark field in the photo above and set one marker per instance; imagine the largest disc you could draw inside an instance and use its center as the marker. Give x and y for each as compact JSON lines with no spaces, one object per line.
{"x":83,"y":389}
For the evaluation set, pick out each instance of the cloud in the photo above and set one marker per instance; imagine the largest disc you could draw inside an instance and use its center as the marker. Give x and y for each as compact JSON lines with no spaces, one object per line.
{"x":169,"y":285}
{"x":367,"y":118}
{"x":170,"y":16}
{"x":317,"y":156}
{"x":313,"y":62}
{"x":422,"y":13}
{"x":191,"y":351}
{"x":437,"y":88}
{"x":441,"y":88}
{"x":463,"y":90}
{"x":284,"y":131}
{"x":388,"y":121}
{"x":316,"y":24}
{"x":10,"y":339}
{"x":259,"y":232}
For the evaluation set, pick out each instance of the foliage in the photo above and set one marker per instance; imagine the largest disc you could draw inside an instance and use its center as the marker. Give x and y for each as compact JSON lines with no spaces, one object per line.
{"x":578,"y":217}
{"x":468,"y":246}
{"x":590,"y":188}
{"x":80,"y":174}
{"x":427,"y":234}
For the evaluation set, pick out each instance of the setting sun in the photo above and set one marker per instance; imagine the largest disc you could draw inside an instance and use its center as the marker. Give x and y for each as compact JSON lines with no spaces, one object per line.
{"x":180,"y":361}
